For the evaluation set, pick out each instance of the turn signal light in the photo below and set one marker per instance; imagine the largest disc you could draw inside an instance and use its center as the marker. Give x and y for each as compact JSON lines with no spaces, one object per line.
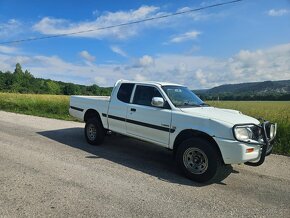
{"x":249,"y":150}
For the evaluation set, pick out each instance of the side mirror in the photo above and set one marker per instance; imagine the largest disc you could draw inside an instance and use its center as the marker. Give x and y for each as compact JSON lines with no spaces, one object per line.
{"x":157,"y":102}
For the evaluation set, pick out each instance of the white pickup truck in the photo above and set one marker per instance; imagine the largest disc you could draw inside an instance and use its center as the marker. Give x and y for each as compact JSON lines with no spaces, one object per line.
{"x":203,"y":138}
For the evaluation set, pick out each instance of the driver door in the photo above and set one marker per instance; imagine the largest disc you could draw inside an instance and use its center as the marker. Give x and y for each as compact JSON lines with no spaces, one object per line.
{"x":146,"y":121}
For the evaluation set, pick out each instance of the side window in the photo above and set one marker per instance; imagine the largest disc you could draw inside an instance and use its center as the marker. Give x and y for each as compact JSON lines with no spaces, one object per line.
{"x":125,"y":91}
{"x":144,"y":94}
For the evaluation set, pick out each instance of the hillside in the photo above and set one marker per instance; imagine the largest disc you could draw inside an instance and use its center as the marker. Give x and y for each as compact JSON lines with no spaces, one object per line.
{"x":267,"y":90}
{"x":257,"y":87}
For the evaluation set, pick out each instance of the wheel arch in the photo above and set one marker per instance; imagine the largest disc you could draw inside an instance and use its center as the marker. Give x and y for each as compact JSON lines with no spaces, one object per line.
{"x":192,"y":133}
{"x":92,"y":113}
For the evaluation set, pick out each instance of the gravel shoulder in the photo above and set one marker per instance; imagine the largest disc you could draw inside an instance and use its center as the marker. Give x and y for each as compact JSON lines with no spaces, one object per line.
{"x":47,"y":169}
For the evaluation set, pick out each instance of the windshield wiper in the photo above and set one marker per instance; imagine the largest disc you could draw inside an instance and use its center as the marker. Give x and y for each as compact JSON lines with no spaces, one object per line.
{"x":191,"y":104}
{"x":204,"y":104}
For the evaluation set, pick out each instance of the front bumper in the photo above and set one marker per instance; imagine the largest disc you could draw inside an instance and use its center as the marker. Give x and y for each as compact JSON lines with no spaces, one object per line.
{"x":235,"y":152}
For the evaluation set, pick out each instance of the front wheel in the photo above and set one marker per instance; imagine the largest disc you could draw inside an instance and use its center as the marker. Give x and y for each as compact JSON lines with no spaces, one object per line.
{"x":198,"y":159}
{"x":94,"y":132}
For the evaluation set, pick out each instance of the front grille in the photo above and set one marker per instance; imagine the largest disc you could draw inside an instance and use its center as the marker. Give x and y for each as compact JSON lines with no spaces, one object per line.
{"x":267,"y":128}
{"x":257,"y":133}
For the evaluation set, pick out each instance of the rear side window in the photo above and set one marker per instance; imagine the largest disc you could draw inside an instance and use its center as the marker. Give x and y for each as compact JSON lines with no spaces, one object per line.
{"x":125,"y":91}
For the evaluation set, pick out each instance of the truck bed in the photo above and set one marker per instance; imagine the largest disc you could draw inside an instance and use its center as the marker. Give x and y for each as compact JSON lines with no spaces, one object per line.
{"x":80,"y":104}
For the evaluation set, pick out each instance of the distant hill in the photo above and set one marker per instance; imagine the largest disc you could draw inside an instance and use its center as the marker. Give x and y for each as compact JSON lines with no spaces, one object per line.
{"x":282,"y":86}
{"x":267,"y":90}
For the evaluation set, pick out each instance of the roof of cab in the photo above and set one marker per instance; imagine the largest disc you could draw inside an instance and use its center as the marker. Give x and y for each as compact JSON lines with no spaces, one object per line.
{"x":150,"y":83}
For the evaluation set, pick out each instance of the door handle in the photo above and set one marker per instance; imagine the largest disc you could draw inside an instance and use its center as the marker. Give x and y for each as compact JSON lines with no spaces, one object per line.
{"x":133,"y":109}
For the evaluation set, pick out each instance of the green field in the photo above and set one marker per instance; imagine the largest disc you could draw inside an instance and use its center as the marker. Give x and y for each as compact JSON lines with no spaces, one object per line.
{"x":56,"y":106}
{"x":52,"y":106}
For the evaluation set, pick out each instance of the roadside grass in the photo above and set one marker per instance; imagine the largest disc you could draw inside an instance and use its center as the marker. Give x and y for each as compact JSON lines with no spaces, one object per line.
{"x":51,"y":106}
{"x":56,"y":106}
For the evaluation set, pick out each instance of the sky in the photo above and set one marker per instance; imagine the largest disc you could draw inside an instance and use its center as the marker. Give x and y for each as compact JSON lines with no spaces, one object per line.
{"x":247,"y":41}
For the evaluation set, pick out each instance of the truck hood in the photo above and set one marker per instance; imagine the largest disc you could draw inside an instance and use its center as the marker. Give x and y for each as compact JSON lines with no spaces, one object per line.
{"x":229,"y":116}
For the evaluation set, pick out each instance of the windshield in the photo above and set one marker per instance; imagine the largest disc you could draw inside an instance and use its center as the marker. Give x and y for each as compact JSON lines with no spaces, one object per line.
{"x":182,"y":97}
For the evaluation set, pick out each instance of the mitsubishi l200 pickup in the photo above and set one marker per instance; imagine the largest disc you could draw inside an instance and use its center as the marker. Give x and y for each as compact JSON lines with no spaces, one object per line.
{"x":203,"y":139}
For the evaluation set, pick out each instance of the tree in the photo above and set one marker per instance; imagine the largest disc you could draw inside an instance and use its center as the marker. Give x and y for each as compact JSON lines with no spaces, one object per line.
{"x":52,"y":87}
{"x":18,"y":69}
{"x":71,"y":89}
{"x":2,"y":81}
{"x":27,"y":74}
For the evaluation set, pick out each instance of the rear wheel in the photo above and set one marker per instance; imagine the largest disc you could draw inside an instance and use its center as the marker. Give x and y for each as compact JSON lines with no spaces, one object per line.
{"x":199,"y":160}
{"x":94,"y":131}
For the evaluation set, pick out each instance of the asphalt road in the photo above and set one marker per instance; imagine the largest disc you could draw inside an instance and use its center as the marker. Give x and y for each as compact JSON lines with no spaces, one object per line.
{"x":47,"y":169}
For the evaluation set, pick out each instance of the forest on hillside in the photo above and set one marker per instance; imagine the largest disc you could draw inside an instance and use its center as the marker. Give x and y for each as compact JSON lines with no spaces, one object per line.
{"x":252,"y":91}
{"x":21,"y":81}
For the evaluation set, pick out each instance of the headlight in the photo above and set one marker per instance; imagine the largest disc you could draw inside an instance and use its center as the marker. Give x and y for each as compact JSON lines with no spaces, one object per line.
{"x":248,"y":133}
{"x":243,"y":133}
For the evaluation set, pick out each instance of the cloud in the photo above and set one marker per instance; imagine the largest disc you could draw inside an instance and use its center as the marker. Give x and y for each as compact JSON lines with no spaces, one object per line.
{"x":52,"y":26}
{"x":183,"y":9}
{"x":118,"y":51}
{"x":87,"y":56}
{"x":10,"y":28}
{"x":8,"y":49}
{"x":191,"y":35}
{"x":140,"y":77}
{"x":146,"y":61}
{"x":101,"y":81}
{"x":278,"y":12}
{"x":96,"y":12}
{"x":54,"y":67}
{"x":199,"y":15}
{"x":268,"y":64}
{"x":193,"y":71}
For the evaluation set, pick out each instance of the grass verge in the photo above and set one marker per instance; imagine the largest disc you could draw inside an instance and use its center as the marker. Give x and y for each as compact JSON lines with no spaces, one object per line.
{"x":51,"y":106}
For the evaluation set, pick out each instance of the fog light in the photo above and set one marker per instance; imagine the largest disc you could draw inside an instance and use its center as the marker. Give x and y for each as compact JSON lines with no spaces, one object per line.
{"x":249,"y":150}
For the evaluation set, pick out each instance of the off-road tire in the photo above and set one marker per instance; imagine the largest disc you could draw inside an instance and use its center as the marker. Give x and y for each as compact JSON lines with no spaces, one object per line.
{"x":94,"y":131}
{"x":199,"y":160}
